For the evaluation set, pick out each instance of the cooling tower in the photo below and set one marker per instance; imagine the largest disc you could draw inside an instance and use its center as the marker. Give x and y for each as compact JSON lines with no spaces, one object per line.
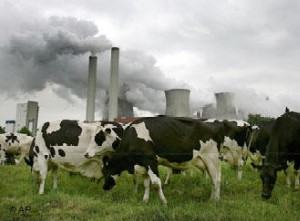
{"x":225,"y":105}
{"x":178,"y":103}
{"x":114,"y":85}
{"x":209,"y":111}
{"x":91,"y":92}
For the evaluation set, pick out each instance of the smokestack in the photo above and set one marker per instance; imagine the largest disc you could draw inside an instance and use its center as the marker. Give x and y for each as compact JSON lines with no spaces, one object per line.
{"x":91,"y":93}
{"x":178,"y":103}
{"x":114,"y":84}
{"x":225,"y":105}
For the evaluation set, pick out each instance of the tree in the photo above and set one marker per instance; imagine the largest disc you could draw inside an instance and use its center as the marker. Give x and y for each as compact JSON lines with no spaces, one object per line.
{"x":2,"y":131}
{"x":25,"y":130}
{"x":257,"y":119}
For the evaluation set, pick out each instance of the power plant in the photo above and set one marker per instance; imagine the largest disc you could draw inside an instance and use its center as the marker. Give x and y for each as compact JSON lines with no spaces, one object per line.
{"x":177,"y":100}
{"x":178,"y":103}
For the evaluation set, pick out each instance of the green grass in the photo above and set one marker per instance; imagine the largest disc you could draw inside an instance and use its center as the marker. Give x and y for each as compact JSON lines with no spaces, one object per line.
{"x":78,"y":198}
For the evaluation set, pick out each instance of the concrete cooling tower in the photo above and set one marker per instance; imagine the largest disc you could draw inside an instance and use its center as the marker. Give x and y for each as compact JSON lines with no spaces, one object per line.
{"x":209,"y":111}
{"x":225,"y":105}
{"x":178,"y":103}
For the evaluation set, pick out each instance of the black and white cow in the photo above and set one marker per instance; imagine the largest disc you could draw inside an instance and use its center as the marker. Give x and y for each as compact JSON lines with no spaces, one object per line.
{"x":238,"y":135}
{"x":13,"y":144}
{"x":283,"y":146}
{"x":178,"y":143}
{"x":63,"y":144}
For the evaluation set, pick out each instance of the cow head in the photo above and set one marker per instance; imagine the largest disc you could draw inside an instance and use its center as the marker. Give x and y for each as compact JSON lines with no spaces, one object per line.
{"x":104,"y":139}
{"x":268,"y":176}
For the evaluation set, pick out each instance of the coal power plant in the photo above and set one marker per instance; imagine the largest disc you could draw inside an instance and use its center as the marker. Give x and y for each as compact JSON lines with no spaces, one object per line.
{"x":177,"y":100}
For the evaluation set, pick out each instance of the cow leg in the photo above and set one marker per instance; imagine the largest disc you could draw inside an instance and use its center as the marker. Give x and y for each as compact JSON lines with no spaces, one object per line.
{"x":214,"y":170}
{"x":43,"y":175}
{"x":209,"y":159}
{"x":169,"y":173}
{"x":20,"y":159}
{"x":55,"y":177}
{"x":287,"y":177}
{"x":156,"y":182}
{"x":139,"y":172}
{"x":147,"y":189}
{"x":297,"y":179}
{"x":239,"y":173}
{"x":135,"y":182}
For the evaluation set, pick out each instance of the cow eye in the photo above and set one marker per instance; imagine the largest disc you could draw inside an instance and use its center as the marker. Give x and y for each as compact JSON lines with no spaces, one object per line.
{"x":108,"y":130}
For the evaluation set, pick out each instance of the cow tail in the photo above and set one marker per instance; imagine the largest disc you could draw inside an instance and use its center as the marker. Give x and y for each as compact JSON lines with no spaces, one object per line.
{"x":29,"y":160}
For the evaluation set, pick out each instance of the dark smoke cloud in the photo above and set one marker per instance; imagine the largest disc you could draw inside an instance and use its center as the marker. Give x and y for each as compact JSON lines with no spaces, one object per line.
{"x":56,"y":52}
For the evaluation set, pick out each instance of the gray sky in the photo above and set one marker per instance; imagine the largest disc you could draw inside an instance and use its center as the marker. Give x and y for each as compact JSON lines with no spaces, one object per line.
{"x":250,"y":47}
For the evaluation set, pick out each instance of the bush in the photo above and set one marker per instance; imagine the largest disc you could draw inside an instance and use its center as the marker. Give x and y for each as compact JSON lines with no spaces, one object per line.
{"x":2,"y":131}
{"x":25,"y":130}
{"x":257,"y":119}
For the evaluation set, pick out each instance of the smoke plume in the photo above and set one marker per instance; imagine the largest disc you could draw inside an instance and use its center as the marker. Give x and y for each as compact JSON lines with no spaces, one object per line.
{"x":56,"y":52}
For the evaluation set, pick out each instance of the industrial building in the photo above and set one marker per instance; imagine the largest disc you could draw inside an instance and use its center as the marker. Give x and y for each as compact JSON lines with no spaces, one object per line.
{"x":10,"y":126}
{"x":27,"y":116}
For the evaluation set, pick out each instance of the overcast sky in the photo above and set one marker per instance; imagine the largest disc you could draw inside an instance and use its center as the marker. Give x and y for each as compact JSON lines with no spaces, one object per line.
{"x":250,"y":47}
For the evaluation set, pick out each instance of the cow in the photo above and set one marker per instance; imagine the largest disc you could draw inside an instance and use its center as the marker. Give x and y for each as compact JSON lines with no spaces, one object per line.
{"x":15,"y":144}
{"x":237,"y":137}
{"x":235,"y":151}
{"x":257,"y":151}
{"x":63,"y":144}
{"x":179,"y":143}
{"x":283,"y":146}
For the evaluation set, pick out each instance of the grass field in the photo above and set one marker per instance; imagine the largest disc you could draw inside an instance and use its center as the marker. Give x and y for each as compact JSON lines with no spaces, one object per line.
{"x":78,"y":198}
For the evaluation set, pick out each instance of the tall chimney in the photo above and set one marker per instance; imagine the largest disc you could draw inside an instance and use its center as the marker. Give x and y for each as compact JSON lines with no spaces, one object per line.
{"x":114,"y":84}
{"x":91,"y":92}
{"x":178,"y":103}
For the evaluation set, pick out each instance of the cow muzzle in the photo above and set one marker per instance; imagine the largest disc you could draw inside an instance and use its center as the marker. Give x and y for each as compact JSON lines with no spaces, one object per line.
{"x":109,"y":184}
